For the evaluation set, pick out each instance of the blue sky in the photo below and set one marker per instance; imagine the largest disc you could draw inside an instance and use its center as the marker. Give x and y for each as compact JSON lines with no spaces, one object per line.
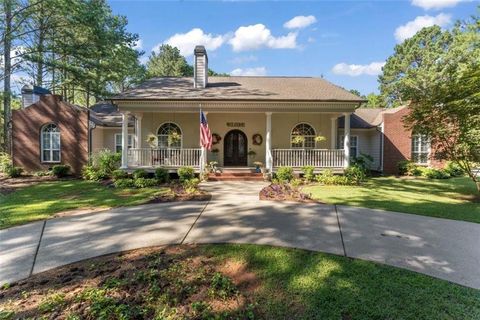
{"x":344,"y":41}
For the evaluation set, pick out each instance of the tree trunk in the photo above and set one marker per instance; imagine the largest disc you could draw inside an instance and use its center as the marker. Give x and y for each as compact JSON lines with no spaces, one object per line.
{"x":41,"y":37}
{"x":478,"y":186}
{"x":7,"y":46}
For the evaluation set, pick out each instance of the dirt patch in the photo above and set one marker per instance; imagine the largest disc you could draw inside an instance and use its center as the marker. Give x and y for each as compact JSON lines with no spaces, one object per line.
{"x":9,"y":185}
{"x":180,"y":282}
{"x":178,"y":193}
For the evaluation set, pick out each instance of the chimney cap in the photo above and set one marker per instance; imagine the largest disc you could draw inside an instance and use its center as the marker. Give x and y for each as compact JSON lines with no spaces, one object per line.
{"x":200,"y":51}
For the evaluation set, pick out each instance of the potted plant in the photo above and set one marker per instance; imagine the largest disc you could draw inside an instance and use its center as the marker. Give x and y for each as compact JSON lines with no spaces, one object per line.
{"x":173,"y":138}
{"x":152,"y":140}
{"x":320,"y":138}
{"x":258,"y":166}
{"x":298,"y":139}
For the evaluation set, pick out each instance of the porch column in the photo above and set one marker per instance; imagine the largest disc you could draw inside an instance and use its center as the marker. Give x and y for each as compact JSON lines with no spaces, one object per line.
{"x":203,"y":155}
{"x":124,"y":140}
{"x":138,"y":130}
{"x":333,"y":133}
{"x":346,"y":140}
{"x":268,"y":142}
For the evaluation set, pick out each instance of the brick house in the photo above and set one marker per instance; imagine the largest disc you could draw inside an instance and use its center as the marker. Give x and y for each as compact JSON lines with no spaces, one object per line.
{"x":279,"y":121}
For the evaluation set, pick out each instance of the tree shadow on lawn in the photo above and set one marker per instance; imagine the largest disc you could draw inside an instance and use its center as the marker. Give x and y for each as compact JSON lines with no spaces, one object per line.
{"x":269,"y":282}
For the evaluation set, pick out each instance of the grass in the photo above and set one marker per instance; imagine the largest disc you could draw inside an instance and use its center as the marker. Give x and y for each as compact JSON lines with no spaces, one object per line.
{"x":455,"y":198}
{"x":43,"y":200}
{"x":235,"y":282}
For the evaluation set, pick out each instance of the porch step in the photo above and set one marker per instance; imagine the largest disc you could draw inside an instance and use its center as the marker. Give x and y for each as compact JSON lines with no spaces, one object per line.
{"x":235,"y":176}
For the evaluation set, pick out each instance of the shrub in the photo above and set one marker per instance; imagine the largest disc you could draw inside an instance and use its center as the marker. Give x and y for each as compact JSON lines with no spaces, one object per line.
{"x":453,"y":169}
{"x":355,"y":174}
{"x":61,"y":170}
{"x":285,"y":174}
{"x":139,"y":173}
{"x":162,"y":175}
{"x":308,"y":173}
{"x":107,"y":160}
{"x":119,"y":174}
{"x":328,"y":178}
{"x":296,"y":182}
{"x":145,"y":182}
{"x":363,"y":161}
{"x":124,"y":183}
{"x":186,"y":173}
{"x":409,"y":168}
{"x":5,"y":161}
{"x":13,"y":172}
{"x":42,"y":173}
{"x":93,"y":173}
{"x":432,"y":173}
{"x":191,"y":185}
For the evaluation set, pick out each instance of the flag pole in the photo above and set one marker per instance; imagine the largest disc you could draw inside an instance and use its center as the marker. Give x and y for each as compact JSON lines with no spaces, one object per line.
{"x":203,"y":156}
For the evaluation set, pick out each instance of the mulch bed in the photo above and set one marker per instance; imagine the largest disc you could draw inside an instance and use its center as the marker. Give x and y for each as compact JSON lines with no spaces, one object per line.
{"x":179,"y":281}
{"x":178,"y":193}
{"x":9,"y":185}
{"x":284,"y":192}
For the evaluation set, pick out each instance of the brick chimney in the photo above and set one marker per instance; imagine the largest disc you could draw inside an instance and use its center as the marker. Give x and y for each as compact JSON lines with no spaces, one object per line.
{"x":200,"y":67}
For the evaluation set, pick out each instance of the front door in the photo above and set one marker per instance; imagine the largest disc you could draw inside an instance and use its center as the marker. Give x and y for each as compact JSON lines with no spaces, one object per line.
{"x":235,"y":149}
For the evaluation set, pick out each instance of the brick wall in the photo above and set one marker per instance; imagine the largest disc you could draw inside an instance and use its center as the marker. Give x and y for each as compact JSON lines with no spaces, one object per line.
{"x":398,"y":142}
{"x":27,"y":124}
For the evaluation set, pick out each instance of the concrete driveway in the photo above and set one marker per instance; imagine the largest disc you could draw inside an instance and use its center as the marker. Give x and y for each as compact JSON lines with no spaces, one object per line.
{"x":441,"y":248}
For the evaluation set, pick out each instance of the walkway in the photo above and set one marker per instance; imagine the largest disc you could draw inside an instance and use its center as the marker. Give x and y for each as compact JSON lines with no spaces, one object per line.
{"x":442,"y":248}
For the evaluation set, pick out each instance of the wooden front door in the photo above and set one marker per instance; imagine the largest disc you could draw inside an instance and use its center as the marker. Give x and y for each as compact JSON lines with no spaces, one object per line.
{"x":235,"y":149}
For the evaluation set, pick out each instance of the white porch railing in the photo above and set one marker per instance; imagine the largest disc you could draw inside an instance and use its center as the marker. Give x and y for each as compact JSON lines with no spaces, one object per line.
{"x":318,"y":158}
{"x":147,"y":157}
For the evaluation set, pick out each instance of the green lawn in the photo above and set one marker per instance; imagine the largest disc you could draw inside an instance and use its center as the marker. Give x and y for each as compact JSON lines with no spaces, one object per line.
{"x":303,"y":284}
{"x":451,"y":198}
{"x":234,"y":282}
{"x":43,"y":200}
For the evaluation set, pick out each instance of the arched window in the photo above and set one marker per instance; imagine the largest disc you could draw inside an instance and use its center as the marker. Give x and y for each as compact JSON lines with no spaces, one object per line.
{"x":169,"y":136}
{"x":303,"y":136}
{"x":50,"y":143}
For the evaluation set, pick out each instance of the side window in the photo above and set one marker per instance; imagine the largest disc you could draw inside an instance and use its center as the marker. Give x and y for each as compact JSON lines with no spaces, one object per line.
{"x":50,"y":143}
{"x":118,"y":142}
{"x":353,"y":145}
{"x":420,"y":148}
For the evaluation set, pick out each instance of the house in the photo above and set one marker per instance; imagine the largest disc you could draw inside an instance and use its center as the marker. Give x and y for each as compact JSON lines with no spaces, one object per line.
{"x":279,"y":121}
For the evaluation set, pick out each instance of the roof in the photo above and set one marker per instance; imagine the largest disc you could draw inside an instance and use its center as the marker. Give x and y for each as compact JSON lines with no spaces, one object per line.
{"x":106,"y":115}
{"x":240,"y":88}
{"x":363,"y":118}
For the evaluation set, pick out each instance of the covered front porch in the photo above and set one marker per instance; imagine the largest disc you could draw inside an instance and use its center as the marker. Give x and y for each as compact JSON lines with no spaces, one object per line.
{"x":167,"y":139}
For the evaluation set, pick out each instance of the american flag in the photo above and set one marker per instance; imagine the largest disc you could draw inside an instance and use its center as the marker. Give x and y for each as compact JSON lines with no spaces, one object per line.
{"x":205,"y":134}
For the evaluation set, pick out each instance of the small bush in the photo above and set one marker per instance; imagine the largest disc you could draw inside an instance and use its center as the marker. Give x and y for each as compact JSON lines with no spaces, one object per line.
{"x":145,"y":183}
{"x":13,"y":172}
{"x":355,"y":174}
{"x":124,"y":183}
{"x":107,"y":161}
{"x":432,"y":173}
{"x":364,"y":161}
{"x":94,"y":173}
{"x":453,"y":169}
{"x":308,"y":173}
{"x":285,"y":174}
{"x":409,"y":168}
{"x":191,"y":185}
{"x":139,"y":173}
{"x":5,"y":161}
{"x":61,"y":170}
{"x":43,"y":173}
{"x":222,"y":286}
{"x":186,"y":173}
{"x":296,"y":183}
{"x":328,"y":178}
{"x":162,"y":175}
{"x":119,"y":174}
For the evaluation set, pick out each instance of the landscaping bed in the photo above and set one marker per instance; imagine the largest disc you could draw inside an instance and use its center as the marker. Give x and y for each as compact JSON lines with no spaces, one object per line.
{"x":234,"y":282}
{"x":284,"y":192}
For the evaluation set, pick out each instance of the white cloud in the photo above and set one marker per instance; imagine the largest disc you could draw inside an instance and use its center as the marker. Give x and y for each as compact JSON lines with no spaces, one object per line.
{"x":258,"y":36}
{"x":410,"y":28}
{"x":138,"y":45}
{"x":354,"y":70}
{"x":186,"y":42}
{"x":311,"y":39}
{"x":300,"y":22}
{"x":259,"y":71}
{"x":435,"y":4}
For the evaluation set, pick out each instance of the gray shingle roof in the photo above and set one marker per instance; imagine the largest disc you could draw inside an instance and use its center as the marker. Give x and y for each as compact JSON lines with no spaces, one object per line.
{"x":106,"y":115}
{"x":240,"y":88}
{"x":363,"y":118}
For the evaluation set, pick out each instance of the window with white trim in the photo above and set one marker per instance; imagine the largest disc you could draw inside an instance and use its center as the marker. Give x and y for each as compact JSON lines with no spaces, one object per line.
{"x":50,"y":143}
{"x":169,"y":136}
{"x":118,"y":142}
{"x":420,"y":148}
{"x":303,"y":136}
{"x":353,"y":145}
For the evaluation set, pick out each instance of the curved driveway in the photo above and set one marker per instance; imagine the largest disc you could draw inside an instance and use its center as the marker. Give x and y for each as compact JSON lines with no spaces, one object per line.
{"x":441,"y":248}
